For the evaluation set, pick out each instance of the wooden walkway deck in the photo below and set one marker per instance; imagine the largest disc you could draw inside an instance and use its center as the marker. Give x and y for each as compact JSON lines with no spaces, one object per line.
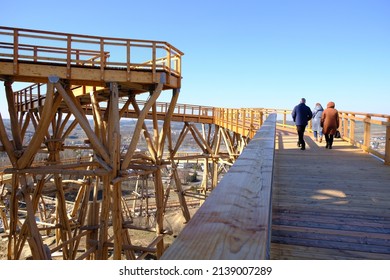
{"x":329,"y":204}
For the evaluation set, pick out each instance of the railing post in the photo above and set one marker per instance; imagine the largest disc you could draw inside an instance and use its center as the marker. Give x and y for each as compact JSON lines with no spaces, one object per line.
{"x":16,"y":51}
{"x":31,"y":99}
{"x":154,"y":76}
{"x":128,"y":62}
{"x":345,"y":124}
{"x":102,"y":58}
{"x":387,"y":143}
{"x":169,"y":64}
{"x":352,"y":129}
{"x":69,"y":56}
{"x":367,"y":133}
{"x":39,"y":95}
{"x":231,"y":119}
{"x":252,"y":131}
{"x":261,"y":115}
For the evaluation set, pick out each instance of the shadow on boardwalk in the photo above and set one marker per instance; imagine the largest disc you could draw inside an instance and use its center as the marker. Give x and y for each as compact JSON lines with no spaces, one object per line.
{"x":329,"y":204}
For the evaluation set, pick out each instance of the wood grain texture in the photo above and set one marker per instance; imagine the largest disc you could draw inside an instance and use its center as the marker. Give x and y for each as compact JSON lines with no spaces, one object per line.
{"x":329,"y":204}
{"x":233,"y":223}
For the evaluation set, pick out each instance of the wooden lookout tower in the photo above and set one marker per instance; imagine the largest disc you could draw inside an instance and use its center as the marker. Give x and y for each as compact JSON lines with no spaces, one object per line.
{"x":70,"y":77}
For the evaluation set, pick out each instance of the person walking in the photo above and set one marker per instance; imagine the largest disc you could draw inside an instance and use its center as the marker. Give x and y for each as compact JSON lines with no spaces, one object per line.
{"x":316,"y":122}
{"x":301,"y":115}
{"x":330,"y":123}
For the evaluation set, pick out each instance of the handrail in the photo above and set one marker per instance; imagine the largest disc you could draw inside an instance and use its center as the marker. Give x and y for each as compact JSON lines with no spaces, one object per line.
{"x":72,"y":50}
{"x":234,"y":222}
{"x":368,"y":131}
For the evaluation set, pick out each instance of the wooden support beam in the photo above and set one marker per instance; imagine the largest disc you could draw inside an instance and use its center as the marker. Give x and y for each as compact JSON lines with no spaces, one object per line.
{"x":13,"y":114}
{"x":113,"y":138}
{"x":159,"y":199}
{"x":180,"y":140}
{"x":7,"y":144}
{"x":98,"y":119}
{"x":175,"y":175}
{"x":70,"y":128}
{"x":199,"y":139}
{"x":75,"y":107}
{"x":63,"y":233}
{"x":137,"y":131}
{"x":69,"y":169}
{"x":35,"y":239}
{"x":48,"y":112}
{"x":167,"y":124}
{"x":25,"y":124}
{"x":150,"y":143}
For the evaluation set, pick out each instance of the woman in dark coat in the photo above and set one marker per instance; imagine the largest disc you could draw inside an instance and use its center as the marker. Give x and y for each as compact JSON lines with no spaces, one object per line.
{"x":330,"y":123}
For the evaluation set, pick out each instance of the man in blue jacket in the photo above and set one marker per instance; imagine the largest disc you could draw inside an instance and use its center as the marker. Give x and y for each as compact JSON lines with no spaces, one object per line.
{"x":301,"y":116}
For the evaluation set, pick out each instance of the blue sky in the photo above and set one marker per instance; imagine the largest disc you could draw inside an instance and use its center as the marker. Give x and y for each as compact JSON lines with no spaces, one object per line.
{"x":245,"y":53}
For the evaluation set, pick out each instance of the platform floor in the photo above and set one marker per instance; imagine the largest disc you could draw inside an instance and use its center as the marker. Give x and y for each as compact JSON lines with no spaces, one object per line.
{"x":329,"y":204}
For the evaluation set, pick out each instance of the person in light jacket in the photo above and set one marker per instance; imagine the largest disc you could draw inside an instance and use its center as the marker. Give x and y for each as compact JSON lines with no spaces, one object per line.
{"x":330,"y":123}
{"x":301,"y":115}
{"x":316,"y":122}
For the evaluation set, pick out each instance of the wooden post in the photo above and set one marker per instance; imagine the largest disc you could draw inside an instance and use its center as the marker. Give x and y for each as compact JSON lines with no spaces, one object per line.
{"x":35,"y":239}
{"x":367,"y":133}
{"x":13,"y":114}
{"x":159,"y":189}
{"x":114,"y":151}
{"x":387,"y":144}
{"x":7,"y":143}
{"x":345,"y":124}
{"x":352,"y":129}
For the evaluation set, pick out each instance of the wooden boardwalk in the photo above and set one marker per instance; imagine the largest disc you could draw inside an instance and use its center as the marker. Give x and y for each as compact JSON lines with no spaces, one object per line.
{"x":329,"y":204}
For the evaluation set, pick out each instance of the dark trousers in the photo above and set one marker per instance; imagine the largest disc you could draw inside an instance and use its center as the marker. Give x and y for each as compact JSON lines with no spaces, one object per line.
{"x":301,"y":132}
{"x":329,"y":139}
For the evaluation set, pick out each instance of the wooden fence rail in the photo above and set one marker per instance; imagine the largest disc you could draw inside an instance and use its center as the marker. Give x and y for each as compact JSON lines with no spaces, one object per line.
{"x":235,"y":220}
{"x":74,"y":50}
{"x":370,"y":132}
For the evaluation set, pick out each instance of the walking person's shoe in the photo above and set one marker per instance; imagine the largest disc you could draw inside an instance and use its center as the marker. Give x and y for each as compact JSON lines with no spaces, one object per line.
{"x":298,"y":144}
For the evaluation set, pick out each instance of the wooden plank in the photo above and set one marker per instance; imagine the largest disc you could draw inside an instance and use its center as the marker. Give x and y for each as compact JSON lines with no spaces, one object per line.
{"x":285,"y":251}
{"x":234,"y":221}
{"x":330,"y":211}
{"x":29,"y":72}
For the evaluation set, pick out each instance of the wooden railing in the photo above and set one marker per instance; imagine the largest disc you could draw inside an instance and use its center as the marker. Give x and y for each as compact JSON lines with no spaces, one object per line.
{"x":74,"y":50}
{"x":235,"y":220}
{"x":370,"y":132}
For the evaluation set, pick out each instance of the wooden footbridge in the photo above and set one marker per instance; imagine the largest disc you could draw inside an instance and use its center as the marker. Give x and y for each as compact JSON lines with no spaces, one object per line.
{"x":274,"y":202}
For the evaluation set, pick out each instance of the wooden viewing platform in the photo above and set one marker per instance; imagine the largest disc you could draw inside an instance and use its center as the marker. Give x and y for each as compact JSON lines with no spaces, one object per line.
{"x":329,"y":204}
{"x":326,"y":204}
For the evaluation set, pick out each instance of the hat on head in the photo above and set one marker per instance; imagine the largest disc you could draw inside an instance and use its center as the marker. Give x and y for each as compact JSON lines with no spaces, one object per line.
{"x":330,"y":104}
